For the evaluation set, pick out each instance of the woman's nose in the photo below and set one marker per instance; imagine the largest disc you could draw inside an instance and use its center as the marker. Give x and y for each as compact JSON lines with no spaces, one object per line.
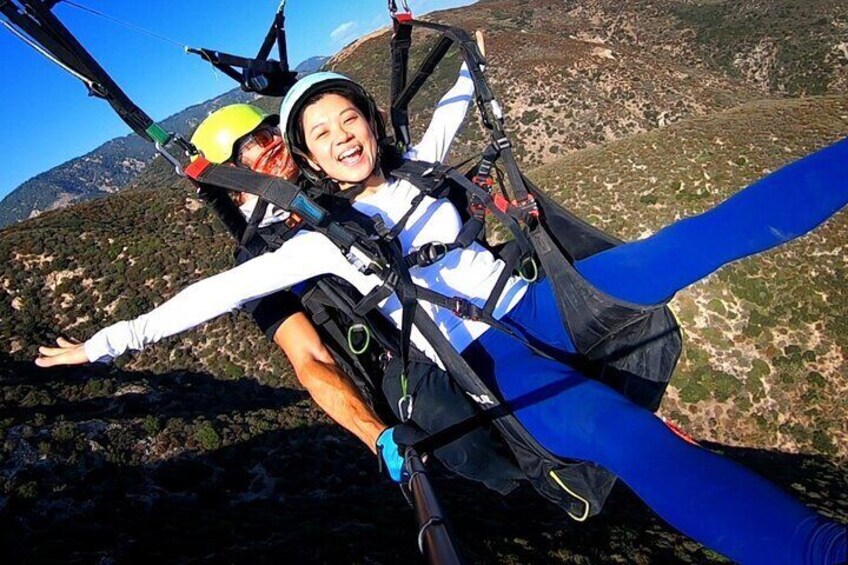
{"x":342,"y":135}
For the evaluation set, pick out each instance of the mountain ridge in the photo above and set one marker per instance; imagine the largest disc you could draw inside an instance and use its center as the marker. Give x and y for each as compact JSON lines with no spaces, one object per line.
{"x":113,"y":165}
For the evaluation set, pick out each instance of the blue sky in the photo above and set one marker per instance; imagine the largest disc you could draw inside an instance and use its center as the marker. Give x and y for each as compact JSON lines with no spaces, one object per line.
{"x":47,"y":118}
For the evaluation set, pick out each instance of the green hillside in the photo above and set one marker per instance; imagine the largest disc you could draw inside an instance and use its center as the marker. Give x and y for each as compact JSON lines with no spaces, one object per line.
{"x":204,"y":447}
{"x":768,"y":334}
{"x":195,"y":435}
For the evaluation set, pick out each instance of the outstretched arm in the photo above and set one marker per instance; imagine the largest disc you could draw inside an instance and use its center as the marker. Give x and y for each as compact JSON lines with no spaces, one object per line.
{"x":325,"y":381}
{"x":306,"y":255}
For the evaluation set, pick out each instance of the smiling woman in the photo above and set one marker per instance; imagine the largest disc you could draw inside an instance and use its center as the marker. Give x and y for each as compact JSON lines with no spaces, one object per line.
{"x":146,"y":64}
{"x":468,"y":305}
{"x":339,"y":141}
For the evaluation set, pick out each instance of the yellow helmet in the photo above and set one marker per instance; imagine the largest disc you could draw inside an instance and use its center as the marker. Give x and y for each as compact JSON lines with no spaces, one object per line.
{"x":217,"y":134}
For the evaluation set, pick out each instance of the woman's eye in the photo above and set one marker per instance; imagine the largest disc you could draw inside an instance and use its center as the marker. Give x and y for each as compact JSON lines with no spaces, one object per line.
{"x":320,"y":134}
{"x":350,"y":119}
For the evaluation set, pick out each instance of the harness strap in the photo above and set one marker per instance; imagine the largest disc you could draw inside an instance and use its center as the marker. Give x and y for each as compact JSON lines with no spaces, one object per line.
{"x":400,"y":44}
{"x":401,"y":223}
{"x":287,"y":196}
{"x":510,"y":255}
{"x":255,"y":219}
{"x":370,"y":301}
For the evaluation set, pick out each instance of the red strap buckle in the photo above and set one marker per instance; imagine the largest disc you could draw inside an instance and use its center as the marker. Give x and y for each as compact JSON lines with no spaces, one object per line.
{"x":196,"y":168}
{"x":501,"y":203}
{"x":483,"y":182}
{"x":404,"y":17}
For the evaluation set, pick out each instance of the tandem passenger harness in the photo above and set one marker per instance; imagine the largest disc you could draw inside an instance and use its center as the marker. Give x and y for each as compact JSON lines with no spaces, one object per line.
{"x":632,"y":348}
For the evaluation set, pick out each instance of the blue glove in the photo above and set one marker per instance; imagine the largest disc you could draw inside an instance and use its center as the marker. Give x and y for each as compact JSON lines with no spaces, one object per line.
{"x":389,"y":453}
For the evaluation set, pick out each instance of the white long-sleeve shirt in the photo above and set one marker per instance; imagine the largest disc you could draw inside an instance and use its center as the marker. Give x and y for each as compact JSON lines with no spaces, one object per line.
{"x":469,"y":273}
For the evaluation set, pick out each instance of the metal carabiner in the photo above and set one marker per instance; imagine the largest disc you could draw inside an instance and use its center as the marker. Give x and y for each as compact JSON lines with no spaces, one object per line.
{"x":522,"y":270}
{"x":178,"y":167}
{"x":350,"y":333}
{"x":405,"y":405}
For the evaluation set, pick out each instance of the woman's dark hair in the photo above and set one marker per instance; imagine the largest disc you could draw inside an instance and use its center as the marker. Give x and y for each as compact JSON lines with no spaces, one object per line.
{"x":389,"y":156}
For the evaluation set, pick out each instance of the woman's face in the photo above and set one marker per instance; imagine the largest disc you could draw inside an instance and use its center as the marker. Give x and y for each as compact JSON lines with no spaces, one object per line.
{"x":339,"y":140}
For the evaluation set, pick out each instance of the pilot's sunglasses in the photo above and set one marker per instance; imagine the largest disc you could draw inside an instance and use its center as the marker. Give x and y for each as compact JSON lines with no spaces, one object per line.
{"x":262,"y":137}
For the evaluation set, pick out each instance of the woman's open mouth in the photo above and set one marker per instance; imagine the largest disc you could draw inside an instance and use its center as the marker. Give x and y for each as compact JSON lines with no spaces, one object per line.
{"x":352,"y":156}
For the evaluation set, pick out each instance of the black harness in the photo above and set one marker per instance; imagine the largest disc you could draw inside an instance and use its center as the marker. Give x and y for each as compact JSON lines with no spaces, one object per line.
{"x":632,"y":348}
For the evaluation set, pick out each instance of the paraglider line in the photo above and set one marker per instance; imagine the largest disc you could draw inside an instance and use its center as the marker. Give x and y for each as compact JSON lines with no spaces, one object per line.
{"x":93,"y":86}
{"x":127,"y":24}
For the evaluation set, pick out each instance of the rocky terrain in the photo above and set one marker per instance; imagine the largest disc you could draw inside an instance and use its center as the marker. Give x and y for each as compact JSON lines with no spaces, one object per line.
{"x":204,"y":448}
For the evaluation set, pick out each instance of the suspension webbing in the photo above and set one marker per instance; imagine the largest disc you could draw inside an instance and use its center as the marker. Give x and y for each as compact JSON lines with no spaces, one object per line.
{"x":44,"y":32}
{"x":404,"y":89}
{"x":260,"y":74}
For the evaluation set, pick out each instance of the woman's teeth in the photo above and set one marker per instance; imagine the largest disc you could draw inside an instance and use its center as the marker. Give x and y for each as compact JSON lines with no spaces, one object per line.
{"x":350,"y":155}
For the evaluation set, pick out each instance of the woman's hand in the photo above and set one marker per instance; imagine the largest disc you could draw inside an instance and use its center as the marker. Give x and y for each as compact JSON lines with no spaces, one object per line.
{"x":66,"y":354}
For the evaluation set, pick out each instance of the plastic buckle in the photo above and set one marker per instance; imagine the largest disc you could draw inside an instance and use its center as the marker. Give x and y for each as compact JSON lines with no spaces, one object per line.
{"x":380,"y":226}
{"x":375,"y":268}
{"x":503,"y":142}
{"x":293,"y":221}
{"x":464,"y":309}
{"x":483,"y":181}
{"x":392,"y":280}
{"x":477,"y":208}
{"x":430,"y":253}
{"x":528,"y":206}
